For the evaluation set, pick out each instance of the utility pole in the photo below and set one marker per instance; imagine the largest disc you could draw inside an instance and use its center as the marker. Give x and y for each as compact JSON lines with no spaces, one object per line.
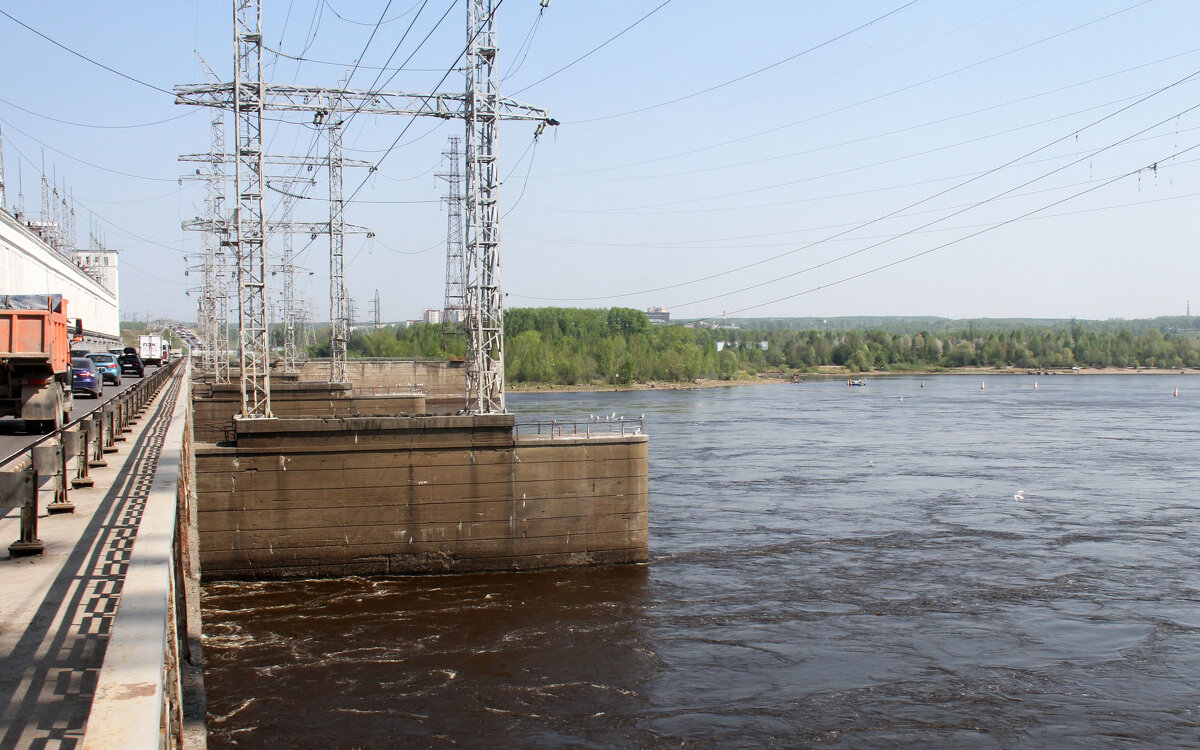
{"x":454,"y":309}
{"x":375,"y":314}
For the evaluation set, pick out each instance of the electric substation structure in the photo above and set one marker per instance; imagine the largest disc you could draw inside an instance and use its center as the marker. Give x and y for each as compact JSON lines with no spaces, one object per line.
{"x":286,"y":268}
{"x":480,"y":107}
{"x":455,"y":306}
{"x":213,"y":302}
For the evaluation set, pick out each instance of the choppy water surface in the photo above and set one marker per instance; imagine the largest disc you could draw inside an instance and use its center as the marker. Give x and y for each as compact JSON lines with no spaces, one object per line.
{"x":830,"y":567}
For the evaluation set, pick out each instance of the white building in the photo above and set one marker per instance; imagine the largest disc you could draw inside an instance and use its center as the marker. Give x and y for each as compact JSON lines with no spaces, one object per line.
{"x":101,"y":265}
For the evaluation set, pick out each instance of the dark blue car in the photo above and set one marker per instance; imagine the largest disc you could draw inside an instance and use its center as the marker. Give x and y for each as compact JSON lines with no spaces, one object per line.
{"x":85,"y":378}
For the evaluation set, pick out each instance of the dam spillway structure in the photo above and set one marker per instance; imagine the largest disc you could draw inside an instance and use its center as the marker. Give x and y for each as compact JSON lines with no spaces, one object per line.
{"x":365,"y":478}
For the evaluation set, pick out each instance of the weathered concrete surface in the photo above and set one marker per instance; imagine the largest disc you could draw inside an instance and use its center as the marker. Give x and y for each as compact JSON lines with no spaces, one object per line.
{"x":215,"y":405}
{"x":436,"y":378}
{"x":311,"y":497}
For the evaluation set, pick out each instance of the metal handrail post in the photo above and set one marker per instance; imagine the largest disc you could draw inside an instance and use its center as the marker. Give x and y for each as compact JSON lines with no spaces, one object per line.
{"x":25,"y":485}
{"x":98,"y":459}
{"x":83,"y":455}
{"x":108,"y":415}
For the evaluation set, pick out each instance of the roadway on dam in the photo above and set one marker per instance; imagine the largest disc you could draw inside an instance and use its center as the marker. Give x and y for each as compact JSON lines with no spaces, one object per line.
{"x":58,"y":608}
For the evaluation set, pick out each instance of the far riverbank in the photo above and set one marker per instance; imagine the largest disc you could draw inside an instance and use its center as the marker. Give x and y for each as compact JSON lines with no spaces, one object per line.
{"x":834,"y":373}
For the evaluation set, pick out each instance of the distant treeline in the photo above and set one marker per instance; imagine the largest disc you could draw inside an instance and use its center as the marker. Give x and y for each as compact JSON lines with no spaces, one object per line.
{"x":619,"y":345}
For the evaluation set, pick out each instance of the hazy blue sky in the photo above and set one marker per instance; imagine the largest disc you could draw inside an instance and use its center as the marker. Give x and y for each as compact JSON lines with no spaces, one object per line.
{"x":955,"y":157}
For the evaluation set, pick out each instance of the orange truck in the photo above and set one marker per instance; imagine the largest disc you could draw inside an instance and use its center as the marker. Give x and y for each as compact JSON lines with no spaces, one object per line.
{"x":35,"y":360}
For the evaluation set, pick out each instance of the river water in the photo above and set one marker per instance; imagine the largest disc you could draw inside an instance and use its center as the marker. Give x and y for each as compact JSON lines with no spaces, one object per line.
{"x":892,"y":565}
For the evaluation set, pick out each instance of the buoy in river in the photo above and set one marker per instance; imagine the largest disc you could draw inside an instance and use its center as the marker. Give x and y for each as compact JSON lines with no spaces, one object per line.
{"x":1176,"y":393}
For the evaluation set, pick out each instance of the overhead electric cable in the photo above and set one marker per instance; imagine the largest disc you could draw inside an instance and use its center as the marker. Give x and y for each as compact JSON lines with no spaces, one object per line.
{"x":596,"y":49}
{"x":367,"y":46}
{"x":864,"y":139}
{"x":9,"y":126}
{"x":847,"y":170}
{"x":366,"y":23}
{"x":960,"y":239}
{"x":345,"y":65}
{"x":449,"y":70}
{"x":93,"y":125}
{"x":938,"y":194}
{"x":752,"y":73}
{"x":82,"y":56}
{"x":947,"y":216}
{"x":878,"y":97}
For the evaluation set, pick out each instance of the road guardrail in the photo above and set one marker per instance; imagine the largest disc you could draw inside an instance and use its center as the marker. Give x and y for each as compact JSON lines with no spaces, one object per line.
{"x":85,"y":440}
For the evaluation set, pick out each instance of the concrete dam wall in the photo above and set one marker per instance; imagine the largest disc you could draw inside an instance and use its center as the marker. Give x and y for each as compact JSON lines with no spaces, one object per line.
{"x":340,"y":496}
{"x":354,"y":478}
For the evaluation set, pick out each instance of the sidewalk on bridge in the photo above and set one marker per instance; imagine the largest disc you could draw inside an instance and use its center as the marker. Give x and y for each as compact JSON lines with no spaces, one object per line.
{"x":57,"y":609}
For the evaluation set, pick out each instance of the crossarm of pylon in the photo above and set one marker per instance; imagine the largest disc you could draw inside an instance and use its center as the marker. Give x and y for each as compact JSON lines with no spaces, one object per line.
{"x":283,"y":98}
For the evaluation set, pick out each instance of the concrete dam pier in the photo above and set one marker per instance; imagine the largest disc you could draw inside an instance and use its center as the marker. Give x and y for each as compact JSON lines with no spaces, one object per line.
{"x":349,"y":483}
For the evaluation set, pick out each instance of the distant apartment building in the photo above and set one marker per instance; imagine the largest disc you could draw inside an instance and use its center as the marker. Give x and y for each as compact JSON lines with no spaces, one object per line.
{"x":455,"y":315}
{"x":433,"y":316}
{"x":658,"y":315}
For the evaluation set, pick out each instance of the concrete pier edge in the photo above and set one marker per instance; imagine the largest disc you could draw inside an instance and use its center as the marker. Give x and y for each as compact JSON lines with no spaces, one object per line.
{"x":138,"y":699}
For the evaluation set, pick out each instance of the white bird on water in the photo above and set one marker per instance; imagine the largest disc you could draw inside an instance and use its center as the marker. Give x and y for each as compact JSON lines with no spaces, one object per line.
{"x":1019,"y":496}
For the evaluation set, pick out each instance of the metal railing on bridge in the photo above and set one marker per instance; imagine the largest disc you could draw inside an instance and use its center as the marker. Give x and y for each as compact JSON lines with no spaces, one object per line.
{"x":85,"y":440}
{"x":595,"y":426}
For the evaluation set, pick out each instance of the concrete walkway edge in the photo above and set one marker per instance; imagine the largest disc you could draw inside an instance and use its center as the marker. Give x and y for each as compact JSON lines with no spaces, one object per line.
{"x":138,"y":686}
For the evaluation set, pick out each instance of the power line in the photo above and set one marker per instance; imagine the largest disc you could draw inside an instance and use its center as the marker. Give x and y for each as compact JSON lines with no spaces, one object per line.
{"x":938,"y":194}
{"x":8,"y":125}
{"x":643,"y":209}
{"x":864,"y":139}
{"x":947,"y":216}
{"x":345,"y":65}
{"x":85,"y":57}
{"x":599,"y":47}
{"x":449,"y":70}
{"x":370,"y":39}
{"x":960,"y":239}
{"x":366,"y":23}
{"x":878,"y":97}
{"x":93,"y":125}
{"x":753,"y":73}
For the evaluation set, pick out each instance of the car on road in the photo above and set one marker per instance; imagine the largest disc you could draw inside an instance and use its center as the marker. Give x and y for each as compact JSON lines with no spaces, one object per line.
{"x":131,"y":364}
{"x":108,"y":366}
{"x":85,"y":378}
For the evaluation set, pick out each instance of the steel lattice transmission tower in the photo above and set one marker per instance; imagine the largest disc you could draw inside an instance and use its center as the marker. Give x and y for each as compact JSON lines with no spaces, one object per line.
{"x":485,"y":313}
{"x":480,"y":107}
{"x":287,"y":265}
{"x":213,"y":305}
{"x":339,"y":314}
{"x":249,"y":96}
{"x":454,"y":309}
